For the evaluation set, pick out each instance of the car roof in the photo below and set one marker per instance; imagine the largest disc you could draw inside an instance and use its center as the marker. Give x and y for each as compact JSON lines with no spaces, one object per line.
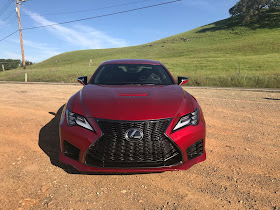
{"x":132,"y":61}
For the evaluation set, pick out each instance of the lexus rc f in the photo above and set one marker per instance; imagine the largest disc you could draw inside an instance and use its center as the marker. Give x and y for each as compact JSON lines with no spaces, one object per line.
{"x":131,"y":116}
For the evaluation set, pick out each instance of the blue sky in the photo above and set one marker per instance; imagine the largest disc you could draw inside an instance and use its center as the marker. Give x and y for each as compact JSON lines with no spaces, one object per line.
{"x":127,"y":29}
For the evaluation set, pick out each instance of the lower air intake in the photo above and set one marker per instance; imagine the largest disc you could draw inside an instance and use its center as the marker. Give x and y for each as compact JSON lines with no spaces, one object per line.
{"x":195,"y":150}
{"x":71,"y":151}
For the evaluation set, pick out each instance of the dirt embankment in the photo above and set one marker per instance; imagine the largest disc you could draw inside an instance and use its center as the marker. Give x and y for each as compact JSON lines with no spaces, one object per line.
{"x":242,"y":169}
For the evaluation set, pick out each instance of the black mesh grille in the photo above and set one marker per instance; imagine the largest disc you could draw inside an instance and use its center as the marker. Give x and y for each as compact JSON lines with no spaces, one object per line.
{"x":195,"y":150}
{"x":114,"y":150}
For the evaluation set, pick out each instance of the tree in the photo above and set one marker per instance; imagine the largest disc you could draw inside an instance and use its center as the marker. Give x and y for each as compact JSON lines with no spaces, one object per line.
{"x":9,"y":63}
{"x":12,"y":64}
{"x":275,"y":4}
{"x":27,"y":63}
{"x":252,"y":8}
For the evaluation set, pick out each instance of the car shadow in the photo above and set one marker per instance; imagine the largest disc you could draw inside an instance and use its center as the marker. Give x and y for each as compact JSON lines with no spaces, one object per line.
{"x":50,"y":144}
{"x":272,"y":99}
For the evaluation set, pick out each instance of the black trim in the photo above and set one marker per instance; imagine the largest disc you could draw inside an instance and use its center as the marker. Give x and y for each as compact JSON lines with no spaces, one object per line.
{"x":195,"y":150}
{"x":181,"y":79}
{"x":69,"y":150}
{"x":83,"y":80}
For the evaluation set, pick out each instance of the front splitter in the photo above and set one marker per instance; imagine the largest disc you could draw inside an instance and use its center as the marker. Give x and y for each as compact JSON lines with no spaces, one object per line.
{"x":85,"y":168}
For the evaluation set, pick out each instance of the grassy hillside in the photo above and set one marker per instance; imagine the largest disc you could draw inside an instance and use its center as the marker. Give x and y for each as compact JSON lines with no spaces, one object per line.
{"x":219,"y":54}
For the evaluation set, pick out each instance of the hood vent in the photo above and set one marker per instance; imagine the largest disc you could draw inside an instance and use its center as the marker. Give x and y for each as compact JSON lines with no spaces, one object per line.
{"x":133,"y":94}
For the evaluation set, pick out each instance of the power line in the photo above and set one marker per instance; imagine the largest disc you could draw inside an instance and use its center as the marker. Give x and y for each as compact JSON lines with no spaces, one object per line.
{"x":105,"y":15}
{"x":8,"y":16}
{"x":5,"y":7}
{"x":12,"y":12}
{"x":7,"y":24}
{"x":94,"y":17}
{"x":9,"y":35}
{"x":87,"y":10}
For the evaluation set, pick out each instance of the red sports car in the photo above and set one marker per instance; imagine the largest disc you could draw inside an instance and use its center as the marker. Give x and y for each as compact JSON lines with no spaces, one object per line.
{"x":132,"y":117}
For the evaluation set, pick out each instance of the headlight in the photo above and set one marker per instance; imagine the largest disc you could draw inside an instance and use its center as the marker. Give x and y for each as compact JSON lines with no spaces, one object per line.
{"x":189,"y":119}
{"x":76,"y":119}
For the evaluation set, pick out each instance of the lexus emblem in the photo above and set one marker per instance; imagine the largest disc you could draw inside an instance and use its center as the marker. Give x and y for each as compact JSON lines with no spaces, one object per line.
{"x":133,"y":134}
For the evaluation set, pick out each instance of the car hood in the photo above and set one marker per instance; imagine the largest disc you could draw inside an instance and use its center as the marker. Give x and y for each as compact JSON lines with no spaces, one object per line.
{"x":132,"y":102}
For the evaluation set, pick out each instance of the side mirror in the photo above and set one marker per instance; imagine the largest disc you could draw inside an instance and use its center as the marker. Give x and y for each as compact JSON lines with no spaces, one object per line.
{"x":82,"y":80}
{"x":182,"y":80}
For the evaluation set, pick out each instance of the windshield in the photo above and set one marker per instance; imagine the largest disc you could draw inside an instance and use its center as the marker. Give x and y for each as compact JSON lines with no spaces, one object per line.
{"x":126,"y":74}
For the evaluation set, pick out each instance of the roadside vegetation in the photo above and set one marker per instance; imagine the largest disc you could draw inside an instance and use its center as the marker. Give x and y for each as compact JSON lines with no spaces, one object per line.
{"x":8,"y":64}
{"x":227,"y":53}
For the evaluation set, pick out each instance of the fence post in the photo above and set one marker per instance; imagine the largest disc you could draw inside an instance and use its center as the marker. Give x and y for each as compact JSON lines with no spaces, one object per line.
{"x":3,"y":68}
{"x":89,"y":65}
{"x":25,"y":77}
{"x":239,"y":66}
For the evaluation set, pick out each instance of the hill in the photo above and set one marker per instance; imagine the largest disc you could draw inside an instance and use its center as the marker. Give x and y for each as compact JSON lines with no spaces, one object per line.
{"x":223,"y":53}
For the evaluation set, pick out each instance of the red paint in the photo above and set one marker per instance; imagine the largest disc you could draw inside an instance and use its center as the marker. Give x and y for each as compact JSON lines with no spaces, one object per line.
{"x":157,"y":102}
{"x":132,"y":103}
{"x":184,"y":82}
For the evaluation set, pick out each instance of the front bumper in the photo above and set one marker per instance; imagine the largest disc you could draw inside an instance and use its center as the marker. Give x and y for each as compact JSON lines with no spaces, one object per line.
{"x":83,"y":139}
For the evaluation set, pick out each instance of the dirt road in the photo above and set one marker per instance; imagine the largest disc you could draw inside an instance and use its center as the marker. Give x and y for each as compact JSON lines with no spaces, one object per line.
{"x":242,"y":169}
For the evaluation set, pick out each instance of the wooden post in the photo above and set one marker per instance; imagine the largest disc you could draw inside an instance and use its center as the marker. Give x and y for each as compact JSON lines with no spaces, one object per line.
{"x":195,"y":68}
{"x":25,"y":79}
{"x":20,"y":33}
{"x":3,"y":68}
{"x":89,"y":65}
{"x":239,"y":67}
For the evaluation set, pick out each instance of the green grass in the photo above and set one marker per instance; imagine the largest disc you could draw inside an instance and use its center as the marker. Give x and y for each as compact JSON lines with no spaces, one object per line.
{"x":219,"y":54}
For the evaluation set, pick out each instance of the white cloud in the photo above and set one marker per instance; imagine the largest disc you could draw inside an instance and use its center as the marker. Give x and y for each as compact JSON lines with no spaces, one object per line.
{"x":70,"y":38}
{"x":42,"y":51}
{"x":84,"y":37}
{"x":47,"y":51}
{"x":11,"y":55}
{"x":99,"y":38}
{"x":36,"y":59}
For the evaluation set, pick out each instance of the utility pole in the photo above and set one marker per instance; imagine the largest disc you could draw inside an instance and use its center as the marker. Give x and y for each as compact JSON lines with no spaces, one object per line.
{"x":20,"y":32}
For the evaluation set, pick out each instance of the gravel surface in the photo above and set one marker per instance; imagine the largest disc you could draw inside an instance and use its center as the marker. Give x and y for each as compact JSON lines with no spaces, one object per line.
{"x":242,"y":169}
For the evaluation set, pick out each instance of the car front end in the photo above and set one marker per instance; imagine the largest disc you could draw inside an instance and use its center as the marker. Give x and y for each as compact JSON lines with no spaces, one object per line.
{"x":132,"y":128}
